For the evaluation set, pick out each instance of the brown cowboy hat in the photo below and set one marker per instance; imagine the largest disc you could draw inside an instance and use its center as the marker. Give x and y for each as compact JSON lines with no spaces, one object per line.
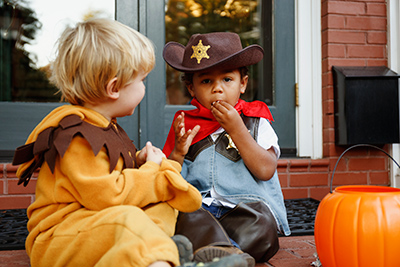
{"x":221,"y":50}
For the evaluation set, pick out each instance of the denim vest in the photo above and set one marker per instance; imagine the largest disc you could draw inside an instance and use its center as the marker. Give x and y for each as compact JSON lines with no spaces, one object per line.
{"x":210,"y":164}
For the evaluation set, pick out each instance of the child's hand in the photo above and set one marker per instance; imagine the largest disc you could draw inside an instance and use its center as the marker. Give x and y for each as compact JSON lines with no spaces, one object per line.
{"x":226,"y":115}
{"x":150,"y":153}
{"x":141,"y":157}
{"x":260,"y":162}
{"x":183,"y":138}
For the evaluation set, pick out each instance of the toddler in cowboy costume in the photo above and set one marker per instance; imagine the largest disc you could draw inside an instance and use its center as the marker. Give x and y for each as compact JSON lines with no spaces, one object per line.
{"x":228,"y":151}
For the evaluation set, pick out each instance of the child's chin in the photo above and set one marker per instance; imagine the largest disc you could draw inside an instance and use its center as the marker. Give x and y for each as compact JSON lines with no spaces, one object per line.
{"x":130,"y":113}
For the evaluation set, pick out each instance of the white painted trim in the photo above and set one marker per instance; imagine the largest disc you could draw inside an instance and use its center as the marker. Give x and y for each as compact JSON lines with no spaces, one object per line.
{"x":308,"y":77}
{"x":393,"y":11}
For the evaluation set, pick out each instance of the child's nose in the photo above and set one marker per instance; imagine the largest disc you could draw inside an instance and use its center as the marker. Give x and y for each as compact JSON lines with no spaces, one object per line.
{"x":217,"y":88}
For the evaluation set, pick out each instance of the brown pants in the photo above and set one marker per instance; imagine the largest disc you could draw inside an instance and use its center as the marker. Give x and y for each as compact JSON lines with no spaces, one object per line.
{"x":251,"y":225}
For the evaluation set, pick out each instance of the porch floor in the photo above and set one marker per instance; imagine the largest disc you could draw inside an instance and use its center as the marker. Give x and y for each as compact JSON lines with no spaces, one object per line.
{"x":295,"y":251}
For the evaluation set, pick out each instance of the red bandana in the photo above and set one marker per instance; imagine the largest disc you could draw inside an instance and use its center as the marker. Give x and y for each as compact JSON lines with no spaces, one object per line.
{"x":208,"y":124}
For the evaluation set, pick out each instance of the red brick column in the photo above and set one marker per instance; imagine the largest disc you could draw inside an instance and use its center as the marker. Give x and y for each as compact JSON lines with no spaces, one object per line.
{"x":353,"y":34}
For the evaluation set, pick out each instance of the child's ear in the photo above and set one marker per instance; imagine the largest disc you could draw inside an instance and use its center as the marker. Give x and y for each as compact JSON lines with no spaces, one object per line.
{"x":111,"y":89}
{"x":243,"y":84}
{"x":190,"y":89}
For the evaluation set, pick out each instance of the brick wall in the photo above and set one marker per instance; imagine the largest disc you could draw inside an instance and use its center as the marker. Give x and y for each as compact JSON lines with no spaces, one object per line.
{"x":353,"y":34}
{"x":13,"y":196}
{"x":303,"y":178}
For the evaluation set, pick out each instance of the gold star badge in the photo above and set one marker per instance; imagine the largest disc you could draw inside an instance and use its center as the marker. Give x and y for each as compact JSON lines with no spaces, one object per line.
{"x":200,"y":51}
{"x":231,"y":144}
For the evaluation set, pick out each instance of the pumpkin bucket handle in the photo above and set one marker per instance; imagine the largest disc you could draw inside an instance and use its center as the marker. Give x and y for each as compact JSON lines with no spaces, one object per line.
{"x":358,"y":145}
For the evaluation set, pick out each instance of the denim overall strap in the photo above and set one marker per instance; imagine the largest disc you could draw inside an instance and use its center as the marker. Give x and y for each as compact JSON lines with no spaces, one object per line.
{"x":223,"y":141}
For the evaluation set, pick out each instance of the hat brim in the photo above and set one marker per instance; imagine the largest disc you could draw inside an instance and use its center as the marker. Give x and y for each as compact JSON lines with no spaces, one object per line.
{"x":173,"y":54}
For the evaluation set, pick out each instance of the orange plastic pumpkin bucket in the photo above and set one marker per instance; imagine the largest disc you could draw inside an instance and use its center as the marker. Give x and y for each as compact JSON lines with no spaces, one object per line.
{"x":359,"y":226}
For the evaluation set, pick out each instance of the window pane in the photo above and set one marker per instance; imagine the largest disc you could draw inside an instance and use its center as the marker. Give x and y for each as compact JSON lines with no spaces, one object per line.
{"x":184,"y":18}
{"x":29,"y":31}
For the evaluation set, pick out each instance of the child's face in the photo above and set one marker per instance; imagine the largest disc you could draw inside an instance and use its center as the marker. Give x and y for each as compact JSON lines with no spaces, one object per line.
{"x":225,"y":85}
{"x":131,"y":95}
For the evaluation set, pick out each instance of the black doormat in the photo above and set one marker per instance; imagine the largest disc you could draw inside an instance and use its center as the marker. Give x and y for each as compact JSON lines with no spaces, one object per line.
{"x":301,"y":215}
{"x":13,"y":232}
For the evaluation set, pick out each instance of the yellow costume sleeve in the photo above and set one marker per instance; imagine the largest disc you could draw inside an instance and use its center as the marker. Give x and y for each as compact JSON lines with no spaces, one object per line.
{"x":86,"y":178}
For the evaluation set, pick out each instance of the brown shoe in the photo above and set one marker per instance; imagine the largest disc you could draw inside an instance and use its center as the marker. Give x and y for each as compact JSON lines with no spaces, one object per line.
{"x":208,"y":253}
{"x":229,"y":261}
